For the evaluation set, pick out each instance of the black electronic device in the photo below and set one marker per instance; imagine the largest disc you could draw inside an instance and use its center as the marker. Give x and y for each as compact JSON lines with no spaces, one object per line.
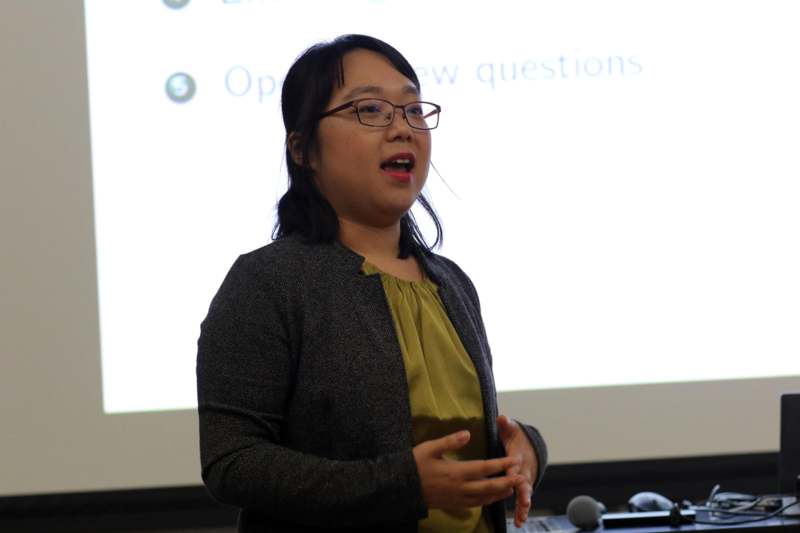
{"x":673,"y":518}
{"x":587,"y":514}
{"x":789,"y":468}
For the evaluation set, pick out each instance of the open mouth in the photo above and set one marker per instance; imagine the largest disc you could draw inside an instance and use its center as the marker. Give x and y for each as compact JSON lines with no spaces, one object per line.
{"x":402,"y":163}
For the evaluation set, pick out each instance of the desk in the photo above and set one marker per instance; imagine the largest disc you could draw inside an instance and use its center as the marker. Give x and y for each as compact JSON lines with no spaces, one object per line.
{"x":560,"y":524}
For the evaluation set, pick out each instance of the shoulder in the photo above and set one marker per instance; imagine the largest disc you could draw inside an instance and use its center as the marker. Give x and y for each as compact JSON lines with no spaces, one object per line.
{"x":445,"y":271}
{"x":280,"y":254}
{"x":290,"y":257}
{"x":291,"y":263}
{"x":443,"y":265}
{"x":264,"y":273}
{"x":258,"y":268}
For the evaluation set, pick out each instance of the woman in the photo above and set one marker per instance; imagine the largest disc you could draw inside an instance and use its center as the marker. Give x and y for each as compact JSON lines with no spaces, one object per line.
{"x":344,"y":376}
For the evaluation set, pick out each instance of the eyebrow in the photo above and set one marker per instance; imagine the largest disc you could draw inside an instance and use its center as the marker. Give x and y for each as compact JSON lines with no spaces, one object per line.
{"x":374,"y":89}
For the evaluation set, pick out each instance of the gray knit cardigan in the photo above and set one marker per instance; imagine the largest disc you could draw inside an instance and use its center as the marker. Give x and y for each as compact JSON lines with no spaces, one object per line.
{"x":303,"y":402}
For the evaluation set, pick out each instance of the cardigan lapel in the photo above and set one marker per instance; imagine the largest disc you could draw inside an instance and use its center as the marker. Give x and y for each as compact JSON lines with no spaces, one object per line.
{"x":467,"y":322}
{"x":371,"y":312}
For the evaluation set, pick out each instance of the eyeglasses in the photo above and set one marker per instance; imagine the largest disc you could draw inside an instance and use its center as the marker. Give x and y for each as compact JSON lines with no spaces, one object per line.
{"x":379,"y":113}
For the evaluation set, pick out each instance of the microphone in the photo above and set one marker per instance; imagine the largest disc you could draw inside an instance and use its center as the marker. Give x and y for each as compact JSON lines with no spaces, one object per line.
{"x":585,"y":512}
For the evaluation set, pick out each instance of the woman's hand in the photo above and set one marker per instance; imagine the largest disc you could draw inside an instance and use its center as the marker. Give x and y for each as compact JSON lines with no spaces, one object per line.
{"x":448,"y":484}
{"x":519,"y":447}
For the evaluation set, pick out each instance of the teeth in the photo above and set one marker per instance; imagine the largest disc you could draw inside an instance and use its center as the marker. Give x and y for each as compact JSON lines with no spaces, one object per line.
{"x":405,"y":163}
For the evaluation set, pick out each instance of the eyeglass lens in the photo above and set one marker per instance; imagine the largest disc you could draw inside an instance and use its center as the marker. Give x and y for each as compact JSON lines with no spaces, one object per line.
{"x":420,"y":115}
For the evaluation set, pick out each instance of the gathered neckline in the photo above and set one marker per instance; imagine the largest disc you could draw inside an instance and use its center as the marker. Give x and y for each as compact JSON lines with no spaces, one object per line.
{"x":368,"y":268}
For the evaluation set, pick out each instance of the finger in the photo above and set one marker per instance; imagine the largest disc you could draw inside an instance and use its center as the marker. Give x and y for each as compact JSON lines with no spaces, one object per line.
{"x":520,"y":509}
{"x":448,"y":443}
{"x":482,"y":468}
{"x":516,"y":468}
{"x":523,"y":505}
{"x":480,"y":501}
{"x":487,"y":495}
{"x":505,"y":427}
{"x":489,"y":487}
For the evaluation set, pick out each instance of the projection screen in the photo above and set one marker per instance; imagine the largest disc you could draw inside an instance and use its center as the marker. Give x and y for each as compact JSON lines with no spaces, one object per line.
{"x":619,"y":179}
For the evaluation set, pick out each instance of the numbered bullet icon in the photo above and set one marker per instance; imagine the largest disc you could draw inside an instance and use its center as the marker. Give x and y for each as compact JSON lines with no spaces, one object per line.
{"x":176,"y":4}
{"x":180,"y":87}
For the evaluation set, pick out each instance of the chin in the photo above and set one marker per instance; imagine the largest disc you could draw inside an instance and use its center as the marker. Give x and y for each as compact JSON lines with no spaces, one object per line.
{"x":391,"y":214}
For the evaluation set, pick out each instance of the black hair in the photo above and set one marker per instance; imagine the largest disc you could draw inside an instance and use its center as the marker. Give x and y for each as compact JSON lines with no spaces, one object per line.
{"x":306,"y":92}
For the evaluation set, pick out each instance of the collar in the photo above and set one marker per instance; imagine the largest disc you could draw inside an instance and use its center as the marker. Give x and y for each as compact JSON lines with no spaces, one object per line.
{"x":352,"y":261}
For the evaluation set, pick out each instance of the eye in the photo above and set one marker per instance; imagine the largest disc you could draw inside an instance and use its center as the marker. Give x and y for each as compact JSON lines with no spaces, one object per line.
{"x":415,"y":109}
{"x":370,"y":107}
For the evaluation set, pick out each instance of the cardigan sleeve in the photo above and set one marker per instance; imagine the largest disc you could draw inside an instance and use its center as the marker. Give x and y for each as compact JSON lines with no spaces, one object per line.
{"x":539,"y":448}
{"x":244,"y":382}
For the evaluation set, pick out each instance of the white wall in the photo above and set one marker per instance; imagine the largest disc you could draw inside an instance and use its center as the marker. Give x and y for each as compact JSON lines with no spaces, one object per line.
{"x":54,"y":436}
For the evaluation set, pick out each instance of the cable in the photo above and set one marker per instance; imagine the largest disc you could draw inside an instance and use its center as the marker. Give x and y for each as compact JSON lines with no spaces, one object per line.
{"x":711,"y":496}
{"x":773,"y":514}
{"x":744,"y":509}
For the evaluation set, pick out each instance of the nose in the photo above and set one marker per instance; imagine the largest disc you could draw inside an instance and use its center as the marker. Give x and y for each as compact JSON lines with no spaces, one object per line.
{"x":399,"y":128}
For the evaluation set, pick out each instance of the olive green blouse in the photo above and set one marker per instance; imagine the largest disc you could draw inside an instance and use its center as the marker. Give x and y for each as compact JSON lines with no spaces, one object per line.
{"x":443,"y":385}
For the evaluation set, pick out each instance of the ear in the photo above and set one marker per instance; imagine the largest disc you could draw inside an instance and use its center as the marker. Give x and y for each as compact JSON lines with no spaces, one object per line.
{"x":295,"y":145}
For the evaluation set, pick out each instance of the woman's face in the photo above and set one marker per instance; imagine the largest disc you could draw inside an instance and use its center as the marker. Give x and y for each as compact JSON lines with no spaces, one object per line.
{"x":350,"y":161}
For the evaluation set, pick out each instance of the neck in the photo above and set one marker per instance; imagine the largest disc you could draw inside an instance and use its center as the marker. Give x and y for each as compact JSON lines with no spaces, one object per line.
{"x":370,"y":241}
